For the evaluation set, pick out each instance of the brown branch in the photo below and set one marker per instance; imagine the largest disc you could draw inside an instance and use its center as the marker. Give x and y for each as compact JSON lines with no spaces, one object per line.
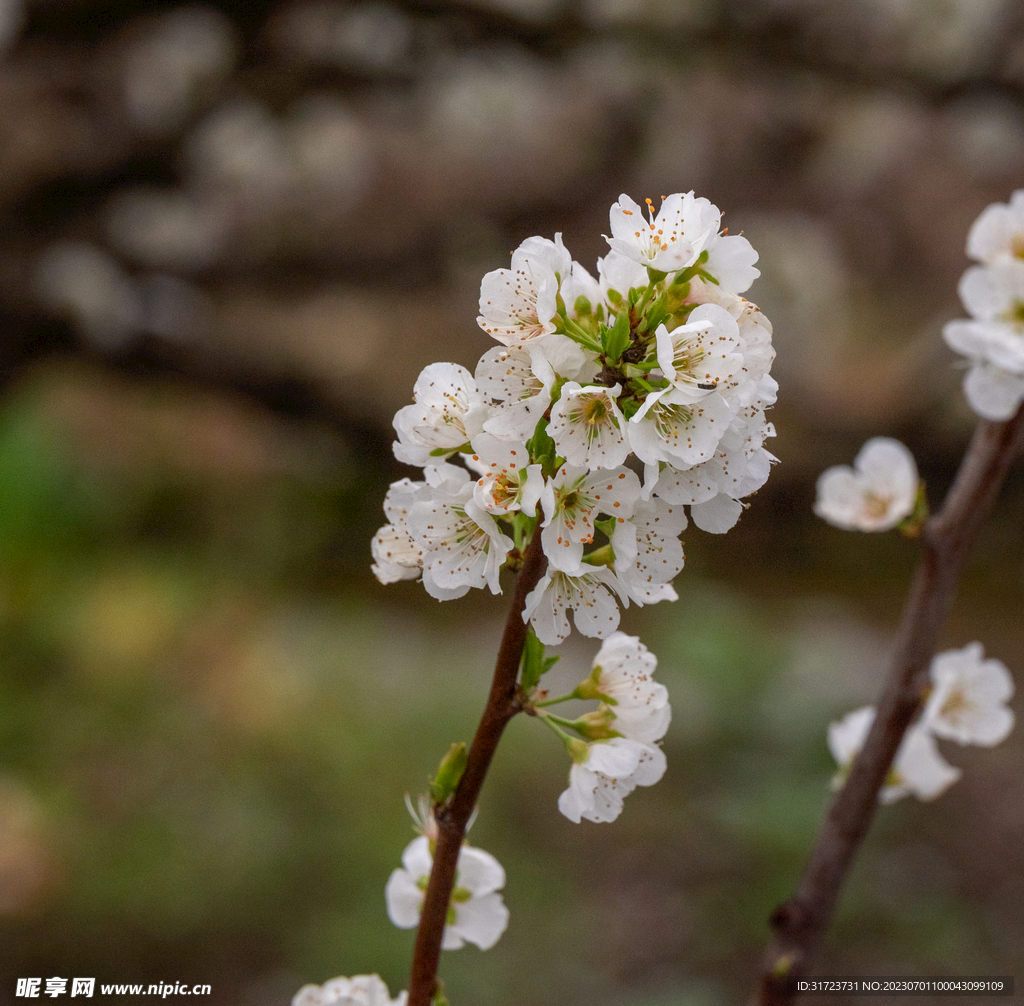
{"x":452,"y":818}
{"x":800,"y":924}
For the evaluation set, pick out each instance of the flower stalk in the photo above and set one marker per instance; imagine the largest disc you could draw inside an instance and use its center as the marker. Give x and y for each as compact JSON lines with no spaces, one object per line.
{"x":800,"y":924}
{"x":453,"y":816}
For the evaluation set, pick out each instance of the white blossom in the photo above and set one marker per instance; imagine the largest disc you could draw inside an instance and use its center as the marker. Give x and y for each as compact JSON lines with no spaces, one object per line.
{"x":730,"y":256}
{"x":476,"y":913}
{"x":992,"y":392}
{"x":520,"y":380}
{"x":461,"y":542}
{"x":619,"y":273}
{"x":968,"y":702}
{"x":587,"y":591}
{"x":917,"y":769}
{"x":703,"y":355}
{"x":396,"y":556}
{"x":572,"y":499}
{"x":999,"y":231}
{"x":681,"y":433}
{"x":507,"y":482}
{"x":519,"y":304}
{"x":648,"y":552}
{"x":668,"y":240}
{"x":993,"y":295}
{"x":623,"y":671}
{"x":587,"y":427}
{"x":993,"y":338}
{"x":756,"y":332}
{"x":448,"y":411}
{"x":610,"y":771}
{"x":360,"y":990}
{"x":876,"y":494}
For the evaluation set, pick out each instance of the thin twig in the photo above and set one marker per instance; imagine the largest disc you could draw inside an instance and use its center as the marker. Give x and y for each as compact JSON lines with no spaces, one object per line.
{"x":800,"y":924}
{"x":452,"y":818}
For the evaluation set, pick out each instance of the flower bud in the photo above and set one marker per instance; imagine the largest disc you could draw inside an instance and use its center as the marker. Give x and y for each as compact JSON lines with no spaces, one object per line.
{"x":449,"y":772}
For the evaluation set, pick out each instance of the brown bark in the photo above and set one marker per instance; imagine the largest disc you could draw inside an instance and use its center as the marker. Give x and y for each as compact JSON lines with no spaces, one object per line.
{"x":452,"y":818}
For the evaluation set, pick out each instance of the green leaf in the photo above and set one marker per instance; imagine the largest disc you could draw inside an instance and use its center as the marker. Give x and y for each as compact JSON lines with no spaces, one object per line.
{"x":542,"y":449}
{"x":534,"y":665}
{"x":615,"y":340}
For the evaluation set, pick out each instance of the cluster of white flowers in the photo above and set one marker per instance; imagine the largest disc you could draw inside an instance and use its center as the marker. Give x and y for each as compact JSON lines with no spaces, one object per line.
{"x":658,"y":357}
{"x":967,"y":704}
{"x":993,"y":295}
{"x":633,"y":715}
{"x":360,"y":990}
{"x":876,"y":494}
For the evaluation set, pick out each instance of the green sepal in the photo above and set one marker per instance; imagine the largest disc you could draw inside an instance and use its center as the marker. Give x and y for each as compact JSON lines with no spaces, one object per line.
{"x":568,"y":327}
{"x":597,"y":725}
{"x":589,"y":688}
{"x":655,"y":275}
{"x":449,"y":772}
{"x":695,"y":270}
{"x":606,"y":526}
{"x":534,"y":665}
{"x":579,"y":750}
{"x":443,"y":452}
{"x":583,"y":306}
{"x":911,"y":524}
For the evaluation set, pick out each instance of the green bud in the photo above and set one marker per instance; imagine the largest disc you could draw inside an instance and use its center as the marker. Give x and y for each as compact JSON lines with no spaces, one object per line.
{"x":449,"y":772}
{"x":597,"y":725}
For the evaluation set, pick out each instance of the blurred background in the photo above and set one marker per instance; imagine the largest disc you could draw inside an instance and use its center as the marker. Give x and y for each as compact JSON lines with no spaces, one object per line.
{"x":232,"y":235}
